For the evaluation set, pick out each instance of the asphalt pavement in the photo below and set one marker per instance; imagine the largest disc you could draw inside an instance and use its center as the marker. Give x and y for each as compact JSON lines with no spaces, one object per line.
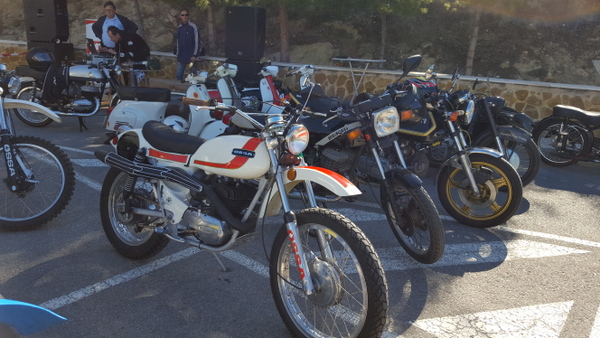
{"x":537,"y":275}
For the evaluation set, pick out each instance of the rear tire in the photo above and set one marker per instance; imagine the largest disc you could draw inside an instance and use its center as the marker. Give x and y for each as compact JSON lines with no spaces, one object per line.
{"x":128,"y":233}
{"x":525,"y":158}
{"x":350,"y":299}
{"x":30,"y":117}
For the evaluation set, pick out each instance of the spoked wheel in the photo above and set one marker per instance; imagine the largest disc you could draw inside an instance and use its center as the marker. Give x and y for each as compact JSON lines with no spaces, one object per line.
{"x":45,"y":187}
{"x":415,"y":221}
{"x":500,"y":190}
{"x":350,"y":297}
{"x":525,"y":158}
{"x":128,"y":233}
{"x":559,"y":142}
{"x":30,"y":117}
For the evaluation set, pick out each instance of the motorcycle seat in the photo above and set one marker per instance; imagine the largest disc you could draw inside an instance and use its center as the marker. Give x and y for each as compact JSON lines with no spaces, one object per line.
{"x":26,"y":71}
{"x":165,"y":138}
{"x":587,"y":117}
{"x":144,"y":94}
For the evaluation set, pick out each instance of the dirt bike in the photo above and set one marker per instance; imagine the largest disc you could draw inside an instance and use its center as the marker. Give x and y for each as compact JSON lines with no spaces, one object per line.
{"x":65,"y":89}
{"x":567,"y":136}
{"x":325,"y":275}
{"x":476,"y":185}
{"x":487,"y":122}
{"x":38,"y":175}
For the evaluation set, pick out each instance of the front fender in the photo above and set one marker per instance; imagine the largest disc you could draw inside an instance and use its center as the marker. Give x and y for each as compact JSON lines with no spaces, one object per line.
{"x":405,"y":176}
{"x":332,"y":181}
{"x":16,"y":103}
{"x":453,"y":160}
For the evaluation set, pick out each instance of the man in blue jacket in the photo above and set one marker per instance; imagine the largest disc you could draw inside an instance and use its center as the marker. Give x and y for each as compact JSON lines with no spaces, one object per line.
{"x":189,"y":44}
{"x":100,"y":27}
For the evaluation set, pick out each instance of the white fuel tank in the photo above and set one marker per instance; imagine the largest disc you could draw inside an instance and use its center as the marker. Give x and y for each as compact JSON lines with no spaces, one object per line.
{"x":236,"y":156}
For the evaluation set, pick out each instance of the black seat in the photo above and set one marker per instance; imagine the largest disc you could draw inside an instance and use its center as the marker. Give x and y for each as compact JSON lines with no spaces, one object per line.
{"x":144,"y":94}
{"x":587,"y":117}
{"x":165,"y":138}
{"x":26,"y":71}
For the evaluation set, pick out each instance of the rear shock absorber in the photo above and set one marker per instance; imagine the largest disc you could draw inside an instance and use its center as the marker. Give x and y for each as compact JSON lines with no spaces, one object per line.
{"x":140,"y":157}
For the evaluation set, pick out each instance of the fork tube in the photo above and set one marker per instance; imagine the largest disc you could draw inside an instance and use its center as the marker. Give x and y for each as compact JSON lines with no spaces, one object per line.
{"x":495,"y":130}
{"x":400,"y":155}
{"x":378,"y":161}
{"x":460,"y":142}
{"x":292,"y":231}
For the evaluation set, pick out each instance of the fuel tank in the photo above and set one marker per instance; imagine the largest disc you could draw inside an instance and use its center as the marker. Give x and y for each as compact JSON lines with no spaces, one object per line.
{"x":236,"y":156}
{"x":85,"y":73}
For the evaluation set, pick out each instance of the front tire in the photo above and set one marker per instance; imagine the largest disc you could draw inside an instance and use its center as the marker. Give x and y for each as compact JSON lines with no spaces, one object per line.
{"x":52,"y":182}
{"x":418,"y":226}
{"x":350,"y":298}
{"x":30,"y":117}
{"x":550,"y":142}
{"x":129,"y":234}
{"x":499,"y":184}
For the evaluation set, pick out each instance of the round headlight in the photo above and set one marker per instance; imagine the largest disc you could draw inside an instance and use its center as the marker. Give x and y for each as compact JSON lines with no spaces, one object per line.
{"x":297,"y":139}
{"x":469,"y":111}
{"x":14,"y":84}
{"x":386,"y":121}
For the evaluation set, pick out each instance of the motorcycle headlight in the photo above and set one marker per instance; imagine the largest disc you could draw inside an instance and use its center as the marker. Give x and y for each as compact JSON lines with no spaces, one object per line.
{"x":297,"y":139}
{"x":386,"y":121}
{"x":14,"y":85}
{"x":469,"y":112}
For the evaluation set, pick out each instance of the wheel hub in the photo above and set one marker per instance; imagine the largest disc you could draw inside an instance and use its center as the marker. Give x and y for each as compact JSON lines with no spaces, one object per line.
{"x":487,"y":196}
{"x":327,"y":280}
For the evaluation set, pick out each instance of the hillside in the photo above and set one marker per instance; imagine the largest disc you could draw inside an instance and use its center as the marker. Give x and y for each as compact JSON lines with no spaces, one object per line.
{"x":547,"y":40}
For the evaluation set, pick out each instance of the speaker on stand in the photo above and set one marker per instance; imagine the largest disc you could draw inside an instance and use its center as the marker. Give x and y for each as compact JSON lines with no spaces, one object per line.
{"x":245,"y":35}
{"x":47,"y":25}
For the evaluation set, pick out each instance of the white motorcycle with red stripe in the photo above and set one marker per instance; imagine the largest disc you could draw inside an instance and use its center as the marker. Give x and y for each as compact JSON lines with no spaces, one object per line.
{"x":325,"y":276}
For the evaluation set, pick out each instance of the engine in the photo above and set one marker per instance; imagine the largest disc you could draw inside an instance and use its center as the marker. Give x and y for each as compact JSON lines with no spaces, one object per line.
{"x":82,"y":99}
{"x":236,"y":196}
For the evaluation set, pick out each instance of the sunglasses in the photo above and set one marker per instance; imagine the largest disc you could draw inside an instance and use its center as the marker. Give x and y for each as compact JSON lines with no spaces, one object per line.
{"x":184,"y":15}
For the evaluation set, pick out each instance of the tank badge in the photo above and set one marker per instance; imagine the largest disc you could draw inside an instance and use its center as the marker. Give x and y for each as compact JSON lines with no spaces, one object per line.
{"x":243,"y":153}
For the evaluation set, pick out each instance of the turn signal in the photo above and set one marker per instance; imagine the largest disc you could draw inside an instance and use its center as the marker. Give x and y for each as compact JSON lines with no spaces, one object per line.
{"x":406,"y":115}
{"x":291,"y":174}
{"x":454,"y":116}
{"x":356,"y":133}
{"x":289,"y":159}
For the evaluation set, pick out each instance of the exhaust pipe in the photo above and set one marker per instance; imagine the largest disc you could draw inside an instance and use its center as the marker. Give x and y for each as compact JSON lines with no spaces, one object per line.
{"x":158,"y":173}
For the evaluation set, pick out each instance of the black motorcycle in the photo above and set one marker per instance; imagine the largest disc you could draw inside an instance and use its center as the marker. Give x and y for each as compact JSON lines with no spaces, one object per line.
{"x":487,"y":122}
{"x":476,"y":185}
{"x":67,"y":90}
{"x":567,"y":136}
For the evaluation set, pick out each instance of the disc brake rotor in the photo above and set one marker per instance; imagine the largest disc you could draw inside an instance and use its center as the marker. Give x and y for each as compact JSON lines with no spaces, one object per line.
{"x":487,"y":196}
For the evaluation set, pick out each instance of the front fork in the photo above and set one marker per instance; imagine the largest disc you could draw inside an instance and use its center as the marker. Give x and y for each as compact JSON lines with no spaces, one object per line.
{"x":460,"y":142}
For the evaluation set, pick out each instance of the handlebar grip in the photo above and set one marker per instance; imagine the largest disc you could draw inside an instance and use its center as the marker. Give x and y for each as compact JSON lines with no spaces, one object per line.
{"x":195,"y":102}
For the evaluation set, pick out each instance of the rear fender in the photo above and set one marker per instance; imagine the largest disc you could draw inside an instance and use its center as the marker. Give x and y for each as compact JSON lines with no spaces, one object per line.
{"x":509,"y":133}
{"x":332,"y":181}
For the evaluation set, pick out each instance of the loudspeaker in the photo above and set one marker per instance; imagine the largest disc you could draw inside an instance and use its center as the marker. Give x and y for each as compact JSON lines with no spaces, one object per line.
{"x":245,"y":31}
{"x":248,"y":71}
{"x":46,"y":20}
{"x":61,"y":51}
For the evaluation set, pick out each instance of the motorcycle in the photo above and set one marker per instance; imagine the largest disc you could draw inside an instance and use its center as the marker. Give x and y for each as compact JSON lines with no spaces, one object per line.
{"x":325,"y":275}
{"x":64,"y":89}
{"x":488,"y":123}
{"x":567,"y":136}
{"x":476,"y":185}
{"x":359,"y":142}
{"x":38,"y":175}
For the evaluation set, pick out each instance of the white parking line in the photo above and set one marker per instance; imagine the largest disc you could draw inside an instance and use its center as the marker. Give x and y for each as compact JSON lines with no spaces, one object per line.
{"x":596,"y":328}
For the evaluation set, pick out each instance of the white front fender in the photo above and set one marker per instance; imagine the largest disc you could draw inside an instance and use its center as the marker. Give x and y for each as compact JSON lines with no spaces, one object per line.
{"x":15,"y":103}
{"x":332,"y":181}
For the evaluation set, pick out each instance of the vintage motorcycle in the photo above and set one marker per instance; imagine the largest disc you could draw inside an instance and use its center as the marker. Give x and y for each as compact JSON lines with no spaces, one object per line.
{"x":38,"y":175}
{"x":325,"y":275}
{"x":476,"y":185}
{"x":360,"y":142}
{"x":64,"y":89}
{"x":567,"y":136}
{"x":487,"y":123}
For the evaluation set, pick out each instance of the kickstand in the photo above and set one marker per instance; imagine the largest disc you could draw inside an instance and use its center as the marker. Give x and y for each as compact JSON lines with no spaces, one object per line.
{"x":82,"y":124}
{"x":225,"y":269}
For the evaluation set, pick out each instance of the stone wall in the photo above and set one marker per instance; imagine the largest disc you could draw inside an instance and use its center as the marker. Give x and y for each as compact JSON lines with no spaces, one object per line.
{"x":536,"y":99}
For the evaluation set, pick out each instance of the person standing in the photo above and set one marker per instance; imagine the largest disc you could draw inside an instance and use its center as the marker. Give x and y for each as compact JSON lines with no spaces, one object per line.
{"x":100,"y":27}
{"x":188,"y":45}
